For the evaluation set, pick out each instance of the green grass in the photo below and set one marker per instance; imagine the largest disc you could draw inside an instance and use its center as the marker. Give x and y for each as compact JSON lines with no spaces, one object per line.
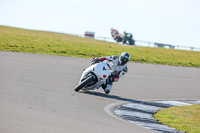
{"x":184,"y":118}
{"x":40,"y":42}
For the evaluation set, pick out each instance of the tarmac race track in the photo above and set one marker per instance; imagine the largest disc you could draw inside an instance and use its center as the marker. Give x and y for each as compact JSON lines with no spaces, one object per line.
{"x":37,"y":94}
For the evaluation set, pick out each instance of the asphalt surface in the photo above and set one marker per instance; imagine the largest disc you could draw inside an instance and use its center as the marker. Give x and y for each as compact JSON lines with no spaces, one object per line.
{"x":37,"y":94}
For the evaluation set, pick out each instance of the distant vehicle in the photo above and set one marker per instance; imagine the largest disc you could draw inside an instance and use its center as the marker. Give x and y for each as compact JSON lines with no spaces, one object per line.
{"x":128,"y":39}
{"x":118,"y":38}
{"x":116,"y":35}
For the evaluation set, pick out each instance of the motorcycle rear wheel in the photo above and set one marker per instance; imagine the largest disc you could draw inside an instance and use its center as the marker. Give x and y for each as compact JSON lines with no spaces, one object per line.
{"x":130,"y":42}
{"x":84,"y":83}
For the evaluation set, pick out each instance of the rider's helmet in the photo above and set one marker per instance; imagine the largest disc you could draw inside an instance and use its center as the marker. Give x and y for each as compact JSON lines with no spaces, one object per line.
{"x":124,"y":58}
{"x":111,"y":29}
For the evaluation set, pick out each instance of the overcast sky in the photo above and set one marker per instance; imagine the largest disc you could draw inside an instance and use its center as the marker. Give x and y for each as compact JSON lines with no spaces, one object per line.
{"x":166,"y":21}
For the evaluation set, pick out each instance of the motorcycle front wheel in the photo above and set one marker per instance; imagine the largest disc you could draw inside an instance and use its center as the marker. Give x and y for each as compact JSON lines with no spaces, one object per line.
{"x":84,"y":83}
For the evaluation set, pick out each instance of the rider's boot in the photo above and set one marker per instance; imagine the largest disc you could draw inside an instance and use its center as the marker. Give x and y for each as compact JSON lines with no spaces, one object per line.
{"x":107,"y":87}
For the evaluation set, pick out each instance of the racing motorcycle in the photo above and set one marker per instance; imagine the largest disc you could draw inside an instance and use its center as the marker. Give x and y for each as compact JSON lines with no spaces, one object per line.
{"x":118,"y":38}
{"x":128,"y":39}
{"x":94,"y":76}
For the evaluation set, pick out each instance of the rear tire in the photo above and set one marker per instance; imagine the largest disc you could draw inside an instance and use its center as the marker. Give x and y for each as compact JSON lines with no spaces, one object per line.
{"x":84,"y":83}
{"x":130,"y":42}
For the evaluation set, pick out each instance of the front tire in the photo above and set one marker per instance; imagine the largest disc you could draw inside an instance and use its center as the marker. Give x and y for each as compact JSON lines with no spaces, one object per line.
{"x":84,"y":83}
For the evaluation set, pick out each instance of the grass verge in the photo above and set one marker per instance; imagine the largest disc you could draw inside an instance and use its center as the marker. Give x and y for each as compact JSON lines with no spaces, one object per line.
{"x":40,"y":42}
{"x":184,"y":118}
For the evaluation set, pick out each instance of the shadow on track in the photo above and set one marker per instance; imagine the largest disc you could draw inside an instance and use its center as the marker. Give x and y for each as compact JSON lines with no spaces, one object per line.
{"x":109,"y":96}
{"x":126,"y":99}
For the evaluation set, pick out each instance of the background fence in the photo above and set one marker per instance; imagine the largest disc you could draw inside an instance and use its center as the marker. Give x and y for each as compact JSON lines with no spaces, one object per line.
{"x":147,"y":43}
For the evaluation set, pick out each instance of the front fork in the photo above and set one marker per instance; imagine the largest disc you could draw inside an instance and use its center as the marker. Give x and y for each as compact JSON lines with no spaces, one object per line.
{"x":93,"y":75}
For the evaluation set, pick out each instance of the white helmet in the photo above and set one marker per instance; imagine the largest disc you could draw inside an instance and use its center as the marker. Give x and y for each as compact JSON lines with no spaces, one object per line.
{"x":111,"y":29}
{"x":124,"y":58}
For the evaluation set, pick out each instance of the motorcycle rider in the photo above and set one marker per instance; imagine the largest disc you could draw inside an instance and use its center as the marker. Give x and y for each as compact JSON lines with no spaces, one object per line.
{"x":115,"y":35}
{"x":119,"y":66}
{"x":125,"y":38}
{"x":114,"y":32}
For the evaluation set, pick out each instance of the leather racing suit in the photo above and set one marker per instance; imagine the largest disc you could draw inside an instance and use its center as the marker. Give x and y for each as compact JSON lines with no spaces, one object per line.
{"x":119,"y":71}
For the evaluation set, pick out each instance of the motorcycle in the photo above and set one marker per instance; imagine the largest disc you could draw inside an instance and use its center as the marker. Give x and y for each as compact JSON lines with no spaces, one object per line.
{"x":128,"y":39}
{"x":94,"y":76}
{"x":118,"y":38}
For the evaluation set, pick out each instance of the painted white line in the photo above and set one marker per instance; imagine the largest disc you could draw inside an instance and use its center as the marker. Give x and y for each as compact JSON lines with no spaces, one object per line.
{"x":158,"y":127}
{"x":198,"y":102}
{"x":138,"y":106}
{"x":133,"y":114}
{"x":110,"y":108}
{"x":174,"y":103}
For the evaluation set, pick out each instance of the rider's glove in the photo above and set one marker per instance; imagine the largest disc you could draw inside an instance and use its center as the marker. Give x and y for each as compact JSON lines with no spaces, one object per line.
{"x":111,"y":78}
{"x":95,"y":60}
